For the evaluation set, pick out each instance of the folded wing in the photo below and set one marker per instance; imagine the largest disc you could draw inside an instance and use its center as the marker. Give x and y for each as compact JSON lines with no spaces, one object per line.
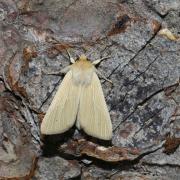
{"x":93,"y":116}
{"x":62,"y":112}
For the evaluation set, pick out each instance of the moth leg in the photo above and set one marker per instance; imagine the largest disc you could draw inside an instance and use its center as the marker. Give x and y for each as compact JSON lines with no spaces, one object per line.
{"x":70,"y":57}
{"x":103,"y":77}
{"x":99,"y":60}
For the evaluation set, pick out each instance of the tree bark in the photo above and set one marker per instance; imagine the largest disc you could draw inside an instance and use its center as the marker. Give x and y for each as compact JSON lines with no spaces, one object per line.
{"x":142,"y":39}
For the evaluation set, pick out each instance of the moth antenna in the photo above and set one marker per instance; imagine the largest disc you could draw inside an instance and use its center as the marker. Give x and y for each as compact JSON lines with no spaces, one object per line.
{"x":70,"y":57}
{"x":99,"y":60}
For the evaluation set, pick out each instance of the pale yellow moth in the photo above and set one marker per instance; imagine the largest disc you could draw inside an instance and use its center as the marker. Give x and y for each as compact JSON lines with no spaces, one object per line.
{"x":79,"y":99}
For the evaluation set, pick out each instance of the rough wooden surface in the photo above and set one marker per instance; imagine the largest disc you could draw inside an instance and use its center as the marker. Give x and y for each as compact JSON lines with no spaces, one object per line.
{"x":143,"y":103}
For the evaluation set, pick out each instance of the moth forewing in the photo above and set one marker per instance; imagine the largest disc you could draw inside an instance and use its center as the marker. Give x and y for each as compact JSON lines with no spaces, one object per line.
{"x":93,"y":115}
{"x":62,"y":112}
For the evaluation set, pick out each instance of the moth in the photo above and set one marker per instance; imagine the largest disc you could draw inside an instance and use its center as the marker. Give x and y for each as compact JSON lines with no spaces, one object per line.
{"x":79,"y":99}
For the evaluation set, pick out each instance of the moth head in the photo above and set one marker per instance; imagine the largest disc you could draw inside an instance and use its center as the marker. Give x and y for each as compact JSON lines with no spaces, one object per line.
{"x":83,"y":58}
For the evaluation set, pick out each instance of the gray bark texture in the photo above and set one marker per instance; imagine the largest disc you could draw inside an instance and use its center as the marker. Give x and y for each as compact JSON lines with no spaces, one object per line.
{"x":143,"y":39}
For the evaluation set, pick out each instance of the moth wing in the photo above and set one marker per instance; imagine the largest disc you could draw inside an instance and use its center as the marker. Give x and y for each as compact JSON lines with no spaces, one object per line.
{"x":62,"y":112}
{"x":93,"y":115}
